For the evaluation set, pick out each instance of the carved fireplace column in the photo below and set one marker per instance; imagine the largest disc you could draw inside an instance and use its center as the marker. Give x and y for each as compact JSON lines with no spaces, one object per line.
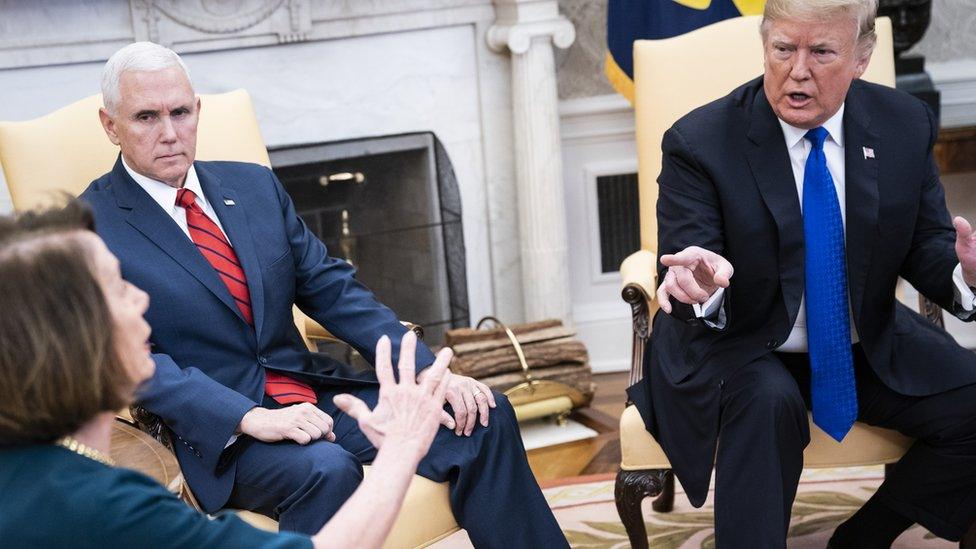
{"x":528,"y":29}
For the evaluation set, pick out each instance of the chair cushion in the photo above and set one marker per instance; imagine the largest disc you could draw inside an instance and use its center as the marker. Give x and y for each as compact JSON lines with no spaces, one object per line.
{"x":424,"y":518}
{"x":864,"y":445}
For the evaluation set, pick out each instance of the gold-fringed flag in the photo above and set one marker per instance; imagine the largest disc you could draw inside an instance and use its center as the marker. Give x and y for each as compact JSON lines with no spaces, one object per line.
{"x":629,"y":20}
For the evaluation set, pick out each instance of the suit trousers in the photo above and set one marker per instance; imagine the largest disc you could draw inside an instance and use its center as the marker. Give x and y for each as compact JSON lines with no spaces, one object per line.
{"x":493,"y":494}
{"x":764,"y":429}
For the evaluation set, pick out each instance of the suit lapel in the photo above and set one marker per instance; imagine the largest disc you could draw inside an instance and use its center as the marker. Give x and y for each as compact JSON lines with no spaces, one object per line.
{"x":861,"y":180}
{"x":148,"y":218}
{"x":225,"y":203}
{"x":769,"y":161}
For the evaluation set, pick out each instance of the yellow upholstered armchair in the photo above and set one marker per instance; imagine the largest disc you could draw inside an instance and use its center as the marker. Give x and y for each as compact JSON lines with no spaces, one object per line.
{"x":62,"y":152}
{"x":672,"y":77}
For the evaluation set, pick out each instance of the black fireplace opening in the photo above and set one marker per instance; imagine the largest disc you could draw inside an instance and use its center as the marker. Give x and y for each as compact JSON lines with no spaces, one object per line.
{"x":390,"y":206}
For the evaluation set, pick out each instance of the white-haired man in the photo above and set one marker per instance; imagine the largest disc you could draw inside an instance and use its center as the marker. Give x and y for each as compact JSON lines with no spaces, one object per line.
{"x":224,"y":257}
{"x":820,"y":190}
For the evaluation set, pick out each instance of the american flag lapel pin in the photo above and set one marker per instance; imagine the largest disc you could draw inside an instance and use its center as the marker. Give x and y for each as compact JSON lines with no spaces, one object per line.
{"x":868,"y":152}
{"x":229,"y":202}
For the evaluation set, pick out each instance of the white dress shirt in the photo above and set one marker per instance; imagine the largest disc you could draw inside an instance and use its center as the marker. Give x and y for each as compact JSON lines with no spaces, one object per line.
{"x":165,"y":196}
{"x":799,"y":150}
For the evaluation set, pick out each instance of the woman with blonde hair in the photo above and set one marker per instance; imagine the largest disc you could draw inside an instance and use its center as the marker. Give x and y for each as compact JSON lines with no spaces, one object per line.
{"x":73,"y":351}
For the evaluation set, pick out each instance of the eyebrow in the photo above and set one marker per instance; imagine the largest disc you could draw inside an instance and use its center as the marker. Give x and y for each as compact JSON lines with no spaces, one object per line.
{"x":155,"y":112}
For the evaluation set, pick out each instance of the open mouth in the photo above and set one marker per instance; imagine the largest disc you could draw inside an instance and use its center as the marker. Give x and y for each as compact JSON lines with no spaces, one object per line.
{"x":798,"y":99}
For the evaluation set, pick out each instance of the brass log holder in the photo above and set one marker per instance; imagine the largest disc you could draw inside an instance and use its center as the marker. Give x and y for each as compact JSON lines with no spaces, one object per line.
{"x":536,"y":398}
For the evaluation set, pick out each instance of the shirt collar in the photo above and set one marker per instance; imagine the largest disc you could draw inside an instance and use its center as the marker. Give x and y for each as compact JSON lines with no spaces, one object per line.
{"x":834,"y":126}
{"x":162,"y":193}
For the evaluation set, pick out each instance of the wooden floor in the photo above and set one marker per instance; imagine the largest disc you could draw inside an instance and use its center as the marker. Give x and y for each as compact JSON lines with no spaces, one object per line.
{"x":592,"y":456}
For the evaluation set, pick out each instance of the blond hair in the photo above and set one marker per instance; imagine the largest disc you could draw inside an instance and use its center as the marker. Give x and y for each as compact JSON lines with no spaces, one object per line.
{"x":862,"y":13}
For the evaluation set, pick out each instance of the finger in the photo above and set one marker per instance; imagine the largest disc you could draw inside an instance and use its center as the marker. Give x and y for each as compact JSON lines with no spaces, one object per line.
{"x":963,"y":229}
{"x":460,"y":412}
{"x":330,"y":436}
{"x":441,"y":391}
{"x":470,"y":410}
{"x":686,"y":281}
{"x":481,"y":401}
{"x":312,"y":430}
{"x":435,"y":373}
{"x":488,"y":393}
{"x":447,"y":420}
{"x":384,"y":364}
{"x":685,"y":258}
{"x":321,"y":419}
{"x":298,"y":436}
{"x":408,"y":351}
{"x":351,"y":405}
{"x":662,"y":297}
{"x":723,"y":272}
{"x":675,"y":290}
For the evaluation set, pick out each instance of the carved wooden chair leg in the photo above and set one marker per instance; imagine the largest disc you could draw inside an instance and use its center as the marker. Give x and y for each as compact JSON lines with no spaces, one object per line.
{"x":665,"y":502}
{"x":630,"y":490}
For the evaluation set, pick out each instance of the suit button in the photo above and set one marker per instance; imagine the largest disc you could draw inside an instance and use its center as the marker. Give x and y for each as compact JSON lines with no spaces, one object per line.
{"x":772,"y":344}
{"x":263,"y":360}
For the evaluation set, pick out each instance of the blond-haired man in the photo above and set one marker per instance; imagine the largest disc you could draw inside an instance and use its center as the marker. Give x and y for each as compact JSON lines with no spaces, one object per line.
{"x":788,"y":210}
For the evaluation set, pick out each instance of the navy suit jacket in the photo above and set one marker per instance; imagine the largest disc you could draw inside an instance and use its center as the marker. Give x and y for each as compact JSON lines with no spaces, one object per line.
{"x":727,"y":185}
{"x":210,"y":364}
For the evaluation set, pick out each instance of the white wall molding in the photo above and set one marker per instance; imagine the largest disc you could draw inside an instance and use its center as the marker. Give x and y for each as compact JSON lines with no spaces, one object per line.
{"x":597,"y":139}
{"x":90,"y":32}
{"x":596,"y":119}
{"x":956,"y":82}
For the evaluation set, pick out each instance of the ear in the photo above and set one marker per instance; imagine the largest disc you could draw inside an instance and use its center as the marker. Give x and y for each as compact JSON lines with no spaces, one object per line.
{"x":198,"y":108}
{"x":862,"y":62}
{"x":108,"y":124}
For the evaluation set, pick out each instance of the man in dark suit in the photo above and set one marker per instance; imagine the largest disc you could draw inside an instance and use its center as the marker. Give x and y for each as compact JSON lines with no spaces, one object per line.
{"x":788,"y":210}
{"x":223,"y":255}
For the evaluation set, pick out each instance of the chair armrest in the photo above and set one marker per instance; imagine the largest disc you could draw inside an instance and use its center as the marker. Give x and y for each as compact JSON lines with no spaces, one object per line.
{"x":313,"y":331}
{"x":639,"y":271}
{"x":639,"y":274}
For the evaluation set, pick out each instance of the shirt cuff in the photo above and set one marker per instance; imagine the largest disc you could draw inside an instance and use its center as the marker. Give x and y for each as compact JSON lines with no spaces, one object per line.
{"x":712,"y":312}
{"x":963,"y":293}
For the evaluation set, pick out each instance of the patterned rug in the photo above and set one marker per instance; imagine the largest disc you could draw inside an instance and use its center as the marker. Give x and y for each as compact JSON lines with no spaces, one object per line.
{"x":585,"y":509}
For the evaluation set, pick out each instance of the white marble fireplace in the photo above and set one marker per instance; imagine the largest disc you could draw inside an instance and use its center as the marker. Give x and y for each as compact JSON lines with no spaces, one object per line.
{"x":327,"y":70}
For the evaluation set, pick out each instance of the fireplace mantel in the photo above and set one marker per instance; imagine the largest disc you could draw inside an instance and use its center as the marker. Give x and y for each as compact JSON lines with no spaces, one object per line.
{"x":79,"y":32}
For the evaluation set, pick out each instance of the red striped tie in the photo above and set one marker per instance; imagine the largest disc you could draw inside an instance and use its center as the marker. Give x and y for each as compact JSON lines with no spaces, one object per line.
{"x":212,"y":243}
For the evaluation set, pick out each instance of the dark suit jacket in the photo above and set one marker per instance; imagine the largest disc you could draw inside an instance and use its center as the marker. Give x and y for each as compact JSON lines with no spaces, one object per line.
{"x":726,"y":185}
{"x":210,"y":363}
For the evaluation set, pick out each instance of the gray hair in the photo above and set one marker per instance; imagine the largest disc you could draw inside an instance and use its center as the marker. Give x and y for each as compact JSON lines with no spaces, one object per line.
{"x":862,"y":13}
{"x":138,"y":56}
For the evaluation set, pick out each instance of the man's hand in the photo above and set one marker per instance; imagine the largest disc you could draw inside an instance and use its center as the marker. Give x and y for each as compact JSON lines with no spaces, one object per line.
{"x":966,"y":249}
{"x":408,"y":413}
{"x":693,"y":275}
{"x":470,"y":399}
{"x":301,"y":423}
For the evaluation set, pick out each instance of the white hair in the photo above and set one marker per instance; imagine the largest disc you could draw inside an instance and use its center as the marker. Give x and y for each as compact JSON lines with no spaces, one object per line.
{"x":138,"y":56}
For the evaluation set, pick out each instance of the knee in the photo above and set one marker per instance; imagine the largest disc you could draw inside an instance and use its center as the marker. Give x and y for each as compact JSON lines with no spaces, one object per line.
{"x":774,"y":398}
{"x":327,"y":461}
{"x":502,"y":404}
{"x":502,"y":423}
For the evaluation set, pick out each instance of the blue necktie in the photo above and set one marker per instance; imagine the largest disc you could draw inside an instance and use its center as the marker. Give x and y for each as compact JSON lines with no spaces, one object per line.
{"x":828,"y":323}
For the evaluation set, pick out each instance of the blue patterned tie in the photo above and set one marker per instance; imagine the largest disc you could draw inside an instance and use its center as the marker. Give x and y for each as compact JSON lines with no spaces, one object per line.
{"x":828,"y":324}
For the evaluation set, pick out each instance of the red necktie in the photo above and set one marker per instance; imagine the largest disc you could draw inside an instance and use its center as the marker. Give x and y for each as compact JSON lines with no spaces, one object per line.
{"x":212,"y":243}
